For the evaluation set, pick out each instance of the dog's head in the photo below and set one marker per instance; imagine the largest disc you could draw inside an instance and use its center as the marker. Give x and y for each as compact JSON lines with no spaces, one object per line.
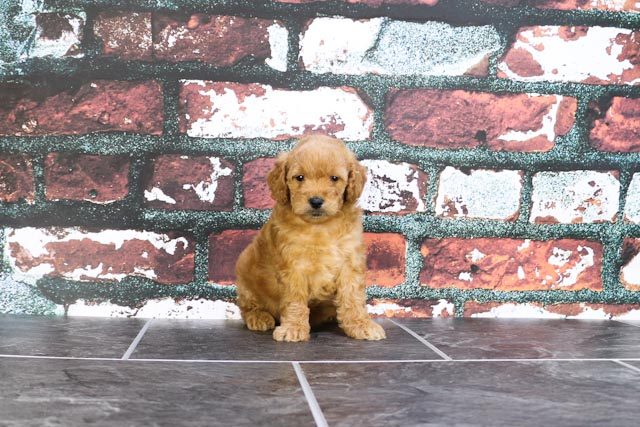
{"x":317,"y":178}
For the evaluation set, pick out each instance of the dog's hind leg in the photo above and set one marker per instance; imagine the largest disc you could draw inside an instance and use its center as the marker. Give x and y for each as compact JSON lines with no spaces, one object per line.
{"x":254,"y":314}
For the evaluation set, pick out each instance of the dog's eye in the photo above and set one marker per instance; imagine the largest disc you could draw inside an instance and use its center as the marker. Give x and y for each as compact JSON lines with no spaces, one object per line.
{"x":335,"y":178}
{"x":299,"y":178}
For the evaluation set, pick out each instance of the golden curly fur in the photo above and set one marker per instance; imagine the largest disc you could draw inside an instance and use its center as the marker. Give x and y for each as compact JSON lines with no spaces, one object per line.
{"x":307,"y":264}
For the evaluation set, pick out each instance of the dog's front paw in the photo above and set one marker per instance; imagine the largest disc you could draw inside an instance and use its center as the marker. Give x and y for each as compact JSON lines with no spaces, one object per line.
{"x":259,"y":320}
{"x":369,"y":330}
{"x":291,"y":333}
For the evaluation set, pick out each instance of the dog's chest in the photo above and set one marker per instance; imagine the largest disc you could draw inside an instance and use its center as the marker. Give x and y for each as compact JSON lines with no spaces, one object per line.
{"x":320,"y":259}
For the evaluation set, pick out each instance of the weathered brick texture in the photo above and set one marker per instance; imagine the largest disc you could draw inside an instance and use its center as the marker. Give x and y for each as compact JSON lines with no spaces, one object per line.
{"x":96,"y":106}
{"x":616,"y":125}
{"x":553,"y":311}
{"x":511,"y":264}
{"x":465,"y":194}
{"x":108,"y":255}
{"x":233,"y":110}
{"x":16,"y":178}
{"x":462,"y":119}
{"x":99,"y":179}
{"x":126,"y":35}
{"x":575,"y":197}
{"x":501,"y":143}
{"x":389,"y":47}
{"x":411,"y":308}
{"x":185,"y":182}
{"x":573,"y":54}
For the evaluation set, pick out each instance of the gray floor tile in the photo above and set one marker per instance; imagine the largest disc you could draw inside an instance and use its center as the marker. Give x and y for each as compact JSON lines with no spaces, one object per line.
{"x":489,"y":393}
{"x":67,"y":336}
{"x":230,"y":340}
{"x":529,"y":338}
{"x":38,"y":392}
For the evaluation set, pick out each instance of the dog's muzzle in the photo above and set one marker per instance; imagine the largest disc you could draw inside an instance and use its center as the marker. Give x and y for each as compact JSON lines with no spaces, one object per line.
{"x":316,"y":202}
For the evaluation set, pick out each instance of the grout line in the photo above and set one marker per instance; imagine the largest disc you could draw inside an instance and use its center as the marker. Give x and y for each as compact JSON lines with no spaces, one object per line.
{"x":626,"y":365}
{"x":316,"y":411}
{"x":422,"y":340}
{"x":137,"y":340}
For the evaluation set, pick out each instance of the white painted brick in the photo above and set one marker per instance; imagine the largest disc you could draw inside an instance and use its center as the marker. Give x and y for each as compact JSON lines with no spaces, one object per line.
{"x":632,"y":205}
{"x":67,"y":44}
{"x":575,"y":197}
{"x":388,"y":47}
{"x":393,"y":187}
{"x":482,"y":194}
{"x":231,"y":112}
{"x":595,"y":56}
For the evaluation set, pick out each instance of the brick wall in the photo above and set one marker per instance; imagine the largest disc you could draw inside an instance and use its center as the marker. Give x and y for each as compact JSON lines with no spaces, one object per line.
{"x":501,"y":138}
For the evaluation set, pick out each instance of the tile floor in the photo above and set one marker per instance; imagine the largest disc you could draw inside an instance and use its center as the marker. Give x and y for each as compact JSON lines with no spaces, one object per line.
{"x":440,"y":372}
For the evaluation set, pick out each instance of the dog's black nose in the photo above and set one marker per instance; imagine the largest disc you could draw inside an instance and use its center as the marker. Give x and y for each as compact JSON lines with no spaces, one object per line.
{"x":316,"y":202}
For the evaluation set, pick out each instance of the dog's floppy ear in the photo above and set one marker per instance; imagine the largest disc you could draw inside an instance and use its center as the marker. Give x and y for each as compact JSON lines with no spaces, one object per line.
{"x":277,"y":180}
{"x":356,"y":181}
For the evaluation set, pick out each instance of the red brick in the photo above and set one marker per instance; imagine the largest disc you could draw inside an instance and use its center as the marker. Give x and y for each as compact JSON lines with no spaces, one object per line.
{"x":538,"y":310}
{"x":184,"y":182}
{"x":256,"y":191}
{"x":410,"y":308}
{"x":595,"y":55}
{"x":218,"y":40}
{"x":126,"y":35}
{"x":235,"y":110}
{"x":393,"y":188}
{"x":461,"y":119}
{"x":103,"y":255}
{"x":630,"y":271}
{"x":100,"y":179}
{"x":224,"y":249}
{"x":16,"y":178}
{"x":56,"y":34}
{"x":385,"y":259}
{"x":98,"y":106}
{"x":616,"y":125}
{"x":511,"y":264}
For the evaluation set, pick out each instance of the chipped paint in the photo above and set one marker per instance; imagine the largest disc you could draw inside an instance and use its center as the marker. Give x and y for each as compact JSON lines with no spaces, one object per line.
{"x":569,"y":277}
{"x":444,"y":308}
{"x":382,"y":308}
{"x":279,"y":43}
{"x":206,"y":191}
{"x":466,"y":195}
{"x":389,"y":47}
{"x":574,"y":196}
{"x":632,"y":204}
{"x":593,"y":55}
{"x":281,"y":113}
{"x":547,"y":126}
{"x":630,"y":273}
{"x":390,"y":186}
{"x":34,"y":242}
{"x":536,"y":310}
{"x":510,"y":310}
{"x":157,"y":194}
{"x":67,"y":44}
{"x":166,"y":308}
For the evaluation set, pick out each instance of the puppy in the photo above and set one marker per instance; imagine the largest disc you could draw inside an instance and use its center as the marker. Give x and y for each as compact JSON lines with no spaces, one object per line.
{"x":307,"y":264}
